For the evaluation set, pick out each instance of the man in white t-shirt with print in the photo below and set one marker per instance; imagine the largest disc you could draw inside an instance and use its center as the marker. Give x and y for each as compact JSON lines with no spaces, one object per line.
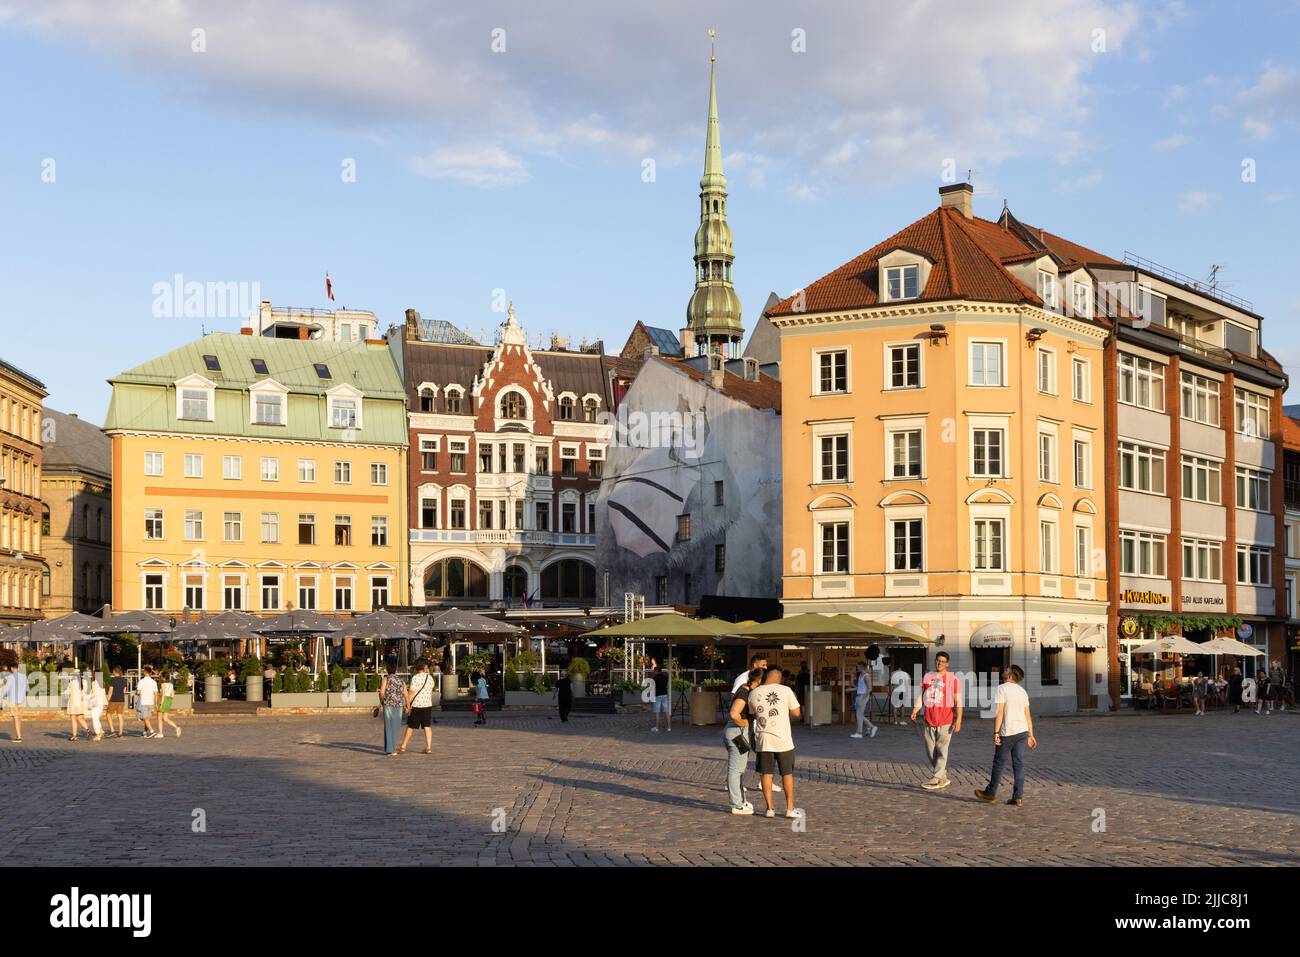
{"x":772,"y":705}
{"x":146,"y":697}
{"x":1013,"y":732}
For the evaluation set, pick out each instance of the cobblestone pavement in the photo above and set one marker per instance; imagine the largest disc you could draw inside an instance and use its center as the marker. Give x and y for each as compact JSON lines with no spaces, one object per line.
{"x":605,"y":790}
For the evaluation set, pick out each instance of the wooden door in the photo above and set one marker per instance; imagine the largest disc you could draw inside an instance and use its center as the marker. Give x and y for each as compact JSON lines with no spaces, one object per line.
{"x":1086,"y":699}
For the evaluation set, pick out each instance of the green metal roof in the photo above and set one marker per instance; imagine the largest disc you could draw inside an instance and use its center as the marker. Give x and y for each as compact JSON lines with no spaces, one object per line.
{"x":143,"y":397}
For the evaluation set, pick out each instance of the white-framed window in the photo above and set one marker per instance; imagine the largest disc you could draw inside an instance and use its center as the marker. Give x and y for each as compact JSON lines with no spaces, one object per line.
{"x":271,"y":528}
{"x":989,"y":537}
{"x":1253,"y":488}
{"x":1046,"y":370}
{"x":832,"y":372}
{"x":193,"y":525}
{"x":379,"y":530}
{"x":1200,"y":399}
{"x":268,"y":407}
{"x":343,"y":473}
{"x":1082,"y":463}
{"x":153,"y":524}
{"x":458,"y":449}
{"x":344,"y":412}
{"x":452,"y":399}
{"x":1080,"y":379}
{"x":306,"y":529}
{"x":986,"y":365}
{"x":1047,"y":289}
{"x":1046,"y":457}
{"x":903,"y":282}
{"x":458,"y":509}
{"x":1254,"y":565}
{"x":193,"y":465}
{"x":1142,"y":553}
{"x":1202,"y":560}
{"x":568,"y":461}
{"x":833,"y":454}
{"x":232,"y":592}
{"x":232,"y":466}
{"x":1082,"y":551}
{"x":343,"y":530}
{"x":907,"y":538}
{"x":195,"y":586}
{"x":270,"y":469}
{"x":271,"y":592}
{"x":1141,"y":382}
{"x":903,"y":369}
{"x":1048,"y":547}
{"x":1082,"y":293}
{"x":428,"y":510}
{"x":378,"y":473}
{"x":307,"y":592}
{"x":834,"y":537}
{"x":1141,"y":468}
{"x":232,"y":526}
{"x":306,"y":470}
{"x":343,"y":594}
{"x":378,"y":591}
{"x":153,"y":591}
{"x":986,"y":452}
{"x":906,"y":456}
{"x":428,"y":453}
{"x":195,"y":404}
{"x":153,"y":463}
{"x":1252,"y":413}
{"x":1202,"y":480}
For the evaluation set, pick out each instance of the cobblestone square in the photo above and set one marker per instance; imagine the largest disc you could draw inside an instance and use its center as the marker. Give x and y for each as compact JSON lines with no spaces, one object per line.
{"x":605,"y":790}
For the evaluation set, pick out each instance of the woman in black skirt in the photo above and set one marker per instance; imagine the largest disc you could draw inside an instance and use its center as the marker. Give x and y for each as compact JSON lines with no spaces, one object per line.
{"x":1234,"y":690}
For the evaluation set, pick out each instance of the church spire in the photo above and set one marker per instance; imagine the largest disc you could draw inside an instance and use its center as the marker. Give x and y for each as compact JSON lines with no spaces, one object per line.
{"x":713,"y":315}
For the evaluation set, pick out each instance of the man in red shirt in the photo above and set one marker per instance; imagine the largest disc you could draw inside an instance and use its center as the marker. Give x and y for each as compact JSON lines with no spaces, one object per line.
{"x":941,"y":698}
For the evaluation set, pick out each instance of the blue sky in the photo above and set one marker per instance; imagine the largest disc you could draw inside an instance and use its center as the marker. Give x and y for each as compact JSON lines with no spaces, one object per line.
{"x":1122,"y":126}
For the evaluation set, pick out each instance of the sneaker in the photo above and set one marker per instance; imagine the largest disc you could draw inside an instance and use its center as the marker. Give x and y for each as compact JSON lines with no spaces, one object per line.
{"x":178,"y":732}
{"x":985,"y":796}
{"x":655,"y":729}
{"x":743,"y":809}
{"x":1016,"y":802}
{"x":769,"y":813}
{"x":943,"y":784}
{"x":776,"y":788}
{"x":872,"y":732}
{"x":794,"y":812}
{"x":933,"y":782}
{"x":855,"y":735}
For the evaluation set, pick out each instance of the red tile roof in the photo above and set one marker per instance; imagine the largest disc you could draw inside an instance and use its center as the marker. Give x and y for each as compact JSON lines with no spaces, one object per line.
{"x":970,"y":257}
{"x":1290,"y":432}
{"x":763,"y":393}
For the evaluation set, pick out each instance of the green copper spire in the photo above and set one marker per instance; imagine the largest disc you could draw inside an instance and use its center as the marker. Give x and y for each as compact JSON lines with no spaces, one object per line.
{"x":713,"y":315}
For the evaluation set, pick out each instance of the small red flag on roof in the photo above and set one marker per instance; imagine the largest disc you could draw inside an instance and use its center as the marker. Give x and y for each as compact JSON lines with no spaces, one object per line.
{"x":329,"y":287}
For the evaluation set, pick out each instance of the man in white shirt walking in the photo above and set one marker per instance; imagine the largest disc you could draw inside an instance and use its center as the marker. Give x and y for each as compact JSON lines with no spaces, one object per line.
{"x":146,"y":697}
{"x":862,"y":699}
{"x":1013,"y":731}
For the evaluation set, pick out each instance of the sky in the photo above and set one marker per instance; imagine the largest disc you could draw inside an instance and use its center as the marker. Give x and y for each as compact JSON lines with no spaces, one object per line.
{"x":456,"y":157}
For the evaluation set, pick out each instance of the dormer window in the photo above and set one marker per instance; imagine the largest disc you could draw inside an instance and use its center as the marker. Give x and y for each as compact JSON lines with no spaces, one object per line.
{"x":1082,"y":299}
{"x":453,"y":401}
{"x":269,"y":409}
{"x":513,"y":406}
{"x":343,"y":413}
{"x":196,"y":405}
{"x":212,"y":363}
{"x":566,"y":408}
{"x":1047,"y":289}
{"x":426,"y":399}
{"x":903,"y":282}
{"x":589,"y":410}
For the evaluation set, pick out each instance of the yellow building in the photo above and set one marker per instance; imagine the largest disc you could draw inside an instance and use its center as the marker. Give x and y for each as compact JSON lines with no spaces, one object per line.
{"x":22,"y":567}
{"x":943,"y":454}
{"x":261,"y":474}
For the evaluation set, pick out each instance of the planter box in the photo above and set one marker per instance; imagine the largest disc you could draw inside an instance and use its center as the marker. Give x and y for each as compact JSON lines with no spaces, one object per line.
{"x":354,"y":699}
{"x":704,"y":707}
{"x":631,"y":699}
{"x":530,"y":699}
{"x":183,"y":702}
{"x":313,"y":699}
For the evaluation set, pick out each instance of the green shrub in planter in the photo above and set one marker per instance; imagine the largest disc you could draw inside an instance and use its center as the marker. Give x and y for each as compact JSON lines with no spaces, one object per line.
{"x":216,"y":667}
{"x":512,"y":678}
{"x":337,"y":674}
{"x":527,"y":661}
{"x":302,"y":682}
{"x":182,"y":681}
{"x":252,"y":667}
{"x":322,"y":682}
{"x":579,"y":667}
{"x":372,"y":681}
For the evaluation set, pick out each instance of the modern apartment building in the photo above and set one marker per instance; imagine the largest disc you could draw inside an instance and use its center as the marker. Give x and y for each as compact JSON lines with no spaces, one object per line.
{"x":76,"y":487}
{"x":261,"y":474}
{"x":22,"y":567}
{"x":507,"y":452}
{"x":943,"y":451}
{"x":1291,"y":535}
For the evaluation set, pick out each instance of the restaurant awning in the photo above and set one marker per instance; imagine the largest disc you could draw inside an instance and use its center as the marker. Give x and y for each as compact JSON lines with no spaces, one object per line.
{"x":1055,"y":636}
{"x":1092,"y":638}
{"x":991,"y":635}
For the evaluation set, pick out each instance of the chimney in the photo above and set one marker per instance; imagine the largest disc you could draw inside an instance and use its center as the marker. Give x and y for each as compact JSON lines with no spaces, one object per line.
{"x":246,"y":331}
{"x":412,"y":326}
{"x":717,"y":370}
{"x":687,"y":339}
{"x":751,"y":368}
{"x":651,"y":351}
{"x":959,"y":197}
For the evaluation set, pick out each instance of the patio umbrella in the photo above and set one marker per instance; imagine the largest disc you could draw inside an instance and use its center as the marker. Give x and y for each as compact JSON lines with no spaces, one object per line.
{"x":1228,"y":646}
{"x":145,"y":626}
{"x":812,"y":625}
{"x":381,"y":626}
{"x":300,"y":624}
{"x":1172,"y":645}
{"x":454,"y":621}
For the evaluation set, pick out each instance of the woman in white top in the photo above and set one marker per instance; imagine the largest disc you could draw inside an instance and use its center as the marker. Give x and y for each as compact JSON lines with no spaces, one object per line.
{"x":76,"y":706}
{"x":96,"y":699}
{"x":166,"y":693}
{"x":1013,"y":731}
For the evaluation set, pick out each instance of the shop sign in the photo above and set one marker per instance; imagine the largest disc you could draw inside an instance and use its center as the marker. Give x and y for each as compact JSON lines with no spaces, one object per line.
{"x":1203,"y":600}
{"x":1128,"y":627}
{"x":1245,"y":631}
{"x":1133,"y":596}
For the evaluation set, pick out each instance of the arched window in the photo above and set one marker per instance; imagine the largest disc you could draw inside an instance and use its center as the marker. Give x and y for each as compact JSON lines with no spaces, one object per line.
{"x":426,"y":399}
{"x":452,"y":399}
{"x":513,"y":406}
{"x":455,"y":578}
{"x":569,"y":580}
{"x":85,"y":521}
{"x":99,"y":525}
{"x":515,"y":583}
{"x":589,"y":410}
{"x":566,"y":408}
{"x":100,"y":594}
{"x":85,"y":581}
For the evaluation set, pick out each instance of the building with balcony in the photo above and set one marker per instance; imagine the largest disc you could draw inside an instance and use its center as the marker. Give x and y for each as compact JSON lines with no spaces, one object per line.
{"x":76,"y":488}
{"x":1291,"y":533}
{"x":507,"y":452}
{"x":943,"y":451}
{"x":259,"y":473}
{"x":22,"y":567}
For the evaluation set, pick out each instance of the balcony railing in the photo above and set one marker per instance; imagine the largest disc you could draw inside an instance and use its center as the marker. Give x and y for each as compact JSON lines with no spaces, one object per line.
{"x":1182,"y":279}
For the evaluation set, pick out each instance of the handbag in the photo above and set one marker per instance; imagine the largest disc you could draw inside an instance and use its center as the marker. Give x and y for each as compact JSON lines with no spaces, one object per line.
{"x":741,"y":741}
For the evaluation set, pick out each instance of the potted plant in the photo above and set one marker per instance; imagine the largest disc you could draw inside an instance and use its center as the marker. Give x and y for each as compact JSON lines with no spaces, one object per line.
{"x":632,"y":692}
{"x":214,"y":673}
{"x":252,"y":672}
{"x":704,"y":701}
{"x":352,"y":690}
{"x":183,"y":699}
{"x":298,"y":692}
{"x":579,"y":668}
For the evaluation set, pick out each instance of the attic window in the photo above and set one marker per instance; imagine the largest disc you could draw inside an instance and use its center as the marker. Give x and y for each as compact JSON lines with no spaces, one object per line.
{"x":322,"y":370}
{"x":259,"y":366}
{"x":903,"y":282}
{"x":212,"y":363}
{"x":1047,"y":288}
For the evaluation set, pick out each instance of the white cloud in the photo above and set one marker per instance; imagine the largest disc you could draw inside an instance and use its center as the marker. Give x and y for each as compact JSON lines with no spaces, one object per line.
{"x":629,"y":79}
{"x":1176,"y":141}
{"x":1274,"y":99}
{"x":1195,"y":201}
{"x":483,"y":166}
{"x":1083,"y":182}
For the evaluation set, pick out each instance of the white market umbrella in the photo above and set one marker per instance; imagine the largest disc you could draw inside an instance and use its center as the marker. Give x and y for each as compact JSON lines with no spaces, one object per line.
{"x":1229,"y":646}
{"x":1172,"y":645}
